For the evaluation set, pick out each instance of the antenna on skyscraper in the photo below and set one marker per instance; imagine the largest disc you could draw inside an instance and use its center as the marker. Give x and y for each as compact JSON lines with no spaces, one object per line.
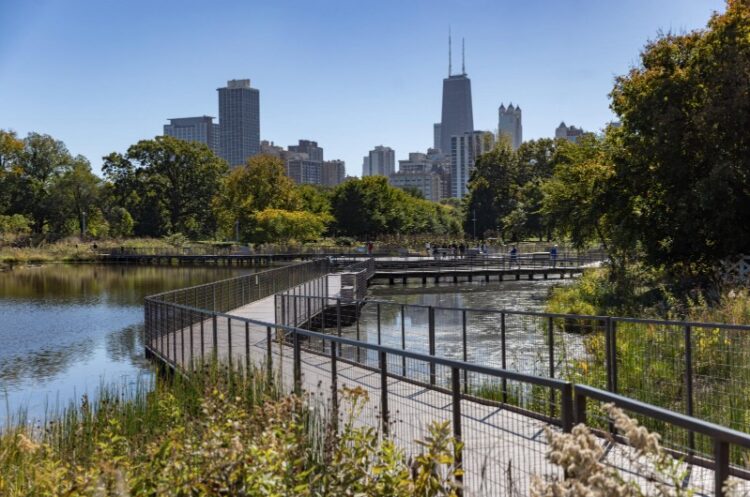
{"x":463,"y":58}
{"x":450,"y":68}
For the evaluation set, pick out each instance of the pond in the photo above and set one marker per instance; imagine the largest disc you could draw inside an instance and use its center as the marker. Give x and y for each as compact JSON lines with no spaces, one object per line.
{"x":67,"y":329}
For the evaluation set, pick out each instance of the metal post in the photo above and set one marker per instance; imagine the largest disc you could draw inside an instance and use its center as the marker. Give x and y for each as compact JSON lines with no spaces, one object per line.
{"x":580,"y":407}
{"x":431,"y":341}
{"x":358,"y":311}
{"x":566,"y":404}
{"x":338,"y":317}
{"x":378,"y":309}
{"x":297,"y":365}
{"x":689,"y":382}
{"x":721,"y":470}
{"x":456,"y":397}
{"x":229,"y":340}
{"x":551,"y":346}
{"x":192,"y":349}
{"x":203,"y":343}
{"x":403,"y":339}
{"x":383,"y":391}
{"x":334,"y":389}
{"x":269,"y":352}
{"x":216,"y":340}
{"x":465,"y":354}
{"x":503,"y":356}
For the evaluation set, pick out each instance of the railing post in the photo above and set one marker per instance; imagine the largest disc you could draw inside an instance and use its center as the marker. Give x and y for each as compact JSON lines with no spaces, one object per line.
{"x":465,"y":351}
{"x":503,"y":358}
{"x":689,"y":382}
{"x":203,"y":342}
{"x":403,"y":339}
{"x":551,"y":345}
{"x":229,"y":341}
{"x":431,"y":340}
{"x":338,"y":317}
{"x":297,"y":365}
{"x":566,"y":407}
{"x":215,"y":339}
{"x":378,"y":313}
{"x":358,"y":310}
{"x":269,"y":353}
{"x":721,"y":470}
{"x":383,"y":365}
{"x":334,"y":389}
{"x":456,"y":398}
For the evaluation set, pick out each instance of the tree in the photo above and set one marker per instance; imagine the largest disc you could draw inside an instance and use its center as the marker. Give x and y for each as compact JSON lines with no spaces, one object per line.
{"x":167,"y":185}
{"x":261,"y":184}
{"x":685,"y":144}
{"x":76,"y":194}
{"x":279,"y":225}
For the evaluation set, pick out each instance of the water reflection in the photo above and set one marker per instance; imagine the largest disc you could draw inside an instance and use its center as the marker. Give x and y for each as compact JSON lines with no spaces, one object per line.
{"x":65,"y":329}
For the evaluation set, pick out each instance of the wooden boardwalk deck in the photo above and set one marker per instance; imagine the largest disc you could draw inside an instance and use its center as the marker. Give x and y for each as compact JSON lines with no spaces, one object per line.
{"x":502,"y":449}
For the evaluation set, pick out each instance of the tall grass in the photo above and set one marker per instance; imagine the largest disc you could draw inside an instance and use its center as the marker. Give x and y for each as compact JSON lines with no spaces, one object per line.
{"x":217,"y":431}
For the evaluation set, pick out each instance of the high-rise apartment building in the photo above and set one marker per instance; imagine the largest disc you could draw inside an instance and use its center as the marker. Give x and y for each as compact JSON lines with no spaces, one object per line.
{"x":303,"y":171}
{"x":465,"y":149}
{"x":239,"y":121}
{"x":570,"y":133}
{"x":457,"y":115}
{"x":427,"y":182}
{"x":436,"y":136}
{"x":509,"y":125}
{"x":195,"y":129}
{"x":332,"y":172}
{"x":381,"y":161}
{"x":311,"y":148}
{"x":417,"y":163}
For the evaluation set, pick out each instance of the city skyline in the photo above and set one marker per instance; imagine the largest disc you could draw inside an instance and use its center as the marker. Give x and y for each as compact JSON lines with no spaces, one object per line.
{"x":555,"y":69}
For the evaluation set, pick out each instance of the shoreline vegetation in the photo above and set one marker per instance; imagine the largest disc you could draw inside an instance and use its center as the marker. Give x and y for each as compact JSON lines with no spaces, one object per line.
{"x":217,"y":431}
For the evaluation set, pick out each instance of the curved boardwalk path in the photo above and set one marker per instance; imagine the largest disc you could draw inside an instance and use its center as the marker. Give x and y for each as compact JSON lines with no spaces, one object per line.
{"x":503,"y":445}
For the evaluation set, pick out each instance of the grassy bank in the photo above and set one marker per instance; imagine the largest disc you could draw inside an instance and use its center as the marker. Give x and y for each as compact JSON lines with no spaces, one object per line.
{"x":651,"y":357}
{"x":217,"y":432}
{"x":74,"y":250}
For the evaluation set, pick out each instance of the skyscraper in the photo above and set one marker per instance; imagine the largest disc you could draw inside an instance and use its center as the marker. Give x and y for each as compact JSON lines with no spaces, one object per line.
{"x":457,"y":115}
{"x":239,"y":121}
{"x":332,"y":172}
{"x":465,"y":149}
{"x":195,"y":129}
{"x":381,"y":161}
{"x":436,"y":136}
{"x":509,"y":125}
{"x":311,"y":148}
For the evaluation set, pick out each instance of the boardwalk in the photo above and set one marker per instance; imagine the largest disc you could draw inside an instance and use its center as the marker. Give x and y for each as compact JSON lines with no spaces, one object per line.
{"x":504,"y":443}
{"x":502,"y":449}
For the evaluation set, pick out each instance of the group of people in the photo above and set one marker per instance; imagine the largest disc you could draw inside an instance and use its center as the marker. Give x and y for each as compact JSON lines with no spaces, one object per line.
{"x":450,"y":250}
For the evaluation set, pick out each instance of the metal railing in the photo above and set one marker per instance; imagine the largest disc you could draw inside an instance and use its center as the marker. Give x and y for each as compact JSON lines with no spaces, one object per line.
{"x":408,"y":389}
{"x":699,"y":369}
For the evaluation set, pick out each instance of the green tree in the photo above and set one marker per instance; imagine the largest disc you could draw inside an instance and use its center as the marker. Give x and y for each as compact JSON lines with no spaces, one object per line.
{"x":76,"y":193}
{"x":682,"y":171}
{"x":261,"y":184}
{"x":279,"y":225}
{"x":167,"y":185}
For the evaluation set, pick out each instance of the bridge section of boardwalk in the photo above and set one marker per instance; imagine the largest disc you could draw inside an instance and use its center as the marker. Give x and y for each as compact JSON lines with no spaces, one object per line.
{"x":499,"y":415}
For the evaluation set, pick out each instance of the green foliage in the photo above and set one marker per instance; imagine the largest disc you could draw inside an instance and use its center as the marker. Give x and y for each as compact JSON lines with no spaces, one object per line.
{"x":14,"y":225}
{"x":217,"y":432}
{"x":369,"y":207}
{"x":166,"y":185}
{"x":685,"y":150}
{"x":272,"y":225}
{"x":505,"y":190}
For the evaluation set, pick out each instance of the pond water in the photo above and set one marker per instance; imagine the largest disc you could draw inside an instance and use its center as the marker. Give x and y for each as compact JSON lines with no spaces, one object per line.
{"x":526,"y":339}
{"x":67,"y":329}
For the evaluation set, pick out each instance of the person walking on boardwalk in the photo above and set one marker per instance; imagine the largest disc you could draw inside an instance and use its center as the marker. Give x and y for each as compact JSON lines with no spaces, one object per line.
{"x":513,"y":256}
{"x":553,"y":255}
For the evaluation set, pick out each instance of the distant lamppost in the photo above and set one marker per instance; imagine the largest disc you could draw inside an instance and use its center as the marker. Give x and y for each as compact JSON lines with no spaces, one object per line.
{"x":83,"y":225}
{"x":237,"y":231}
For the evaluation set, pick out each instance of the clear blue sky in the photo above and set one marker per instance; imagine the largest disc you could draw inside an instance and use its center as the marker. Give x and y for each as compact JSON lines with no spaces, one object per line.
{"x":351,"y":74}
